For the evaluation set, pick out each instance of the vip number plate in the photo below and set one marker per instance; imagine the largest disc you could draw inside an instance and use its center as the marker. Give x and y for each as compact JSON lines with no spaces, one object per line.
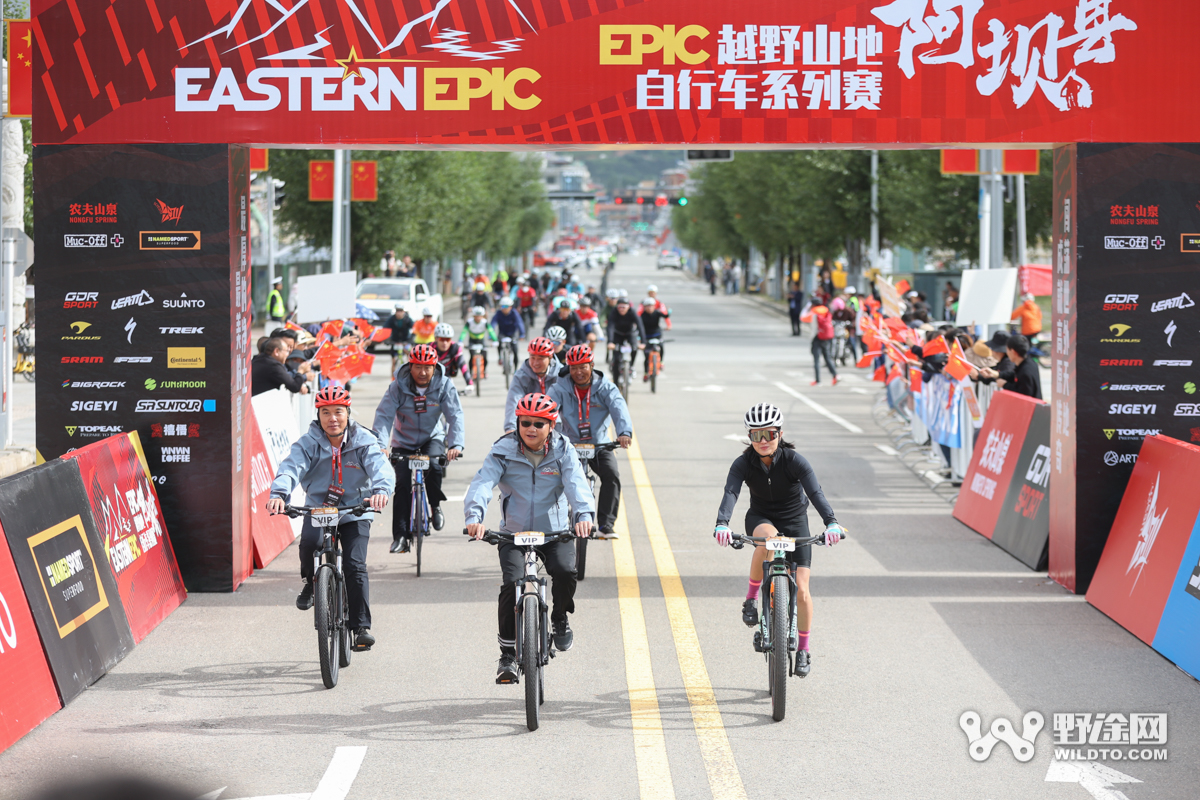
{"x":324,"y":517}
{"x":626,"y":349}
{"x":586,"y":450}
{"x":529,"y":539}
{"x":418,"y":462}
{"x":781,"y":544}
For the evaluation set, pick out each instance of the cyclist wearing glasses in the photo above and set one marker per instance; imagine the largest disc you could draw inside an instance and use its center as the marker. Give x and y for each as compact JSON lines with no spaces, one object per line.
{"x":533,"y":377}
{"x":558,"y":338}
{"x":410,"y":417}
{"x":339,"y":463}
{"x":586,"y":402}
{"x":540,"y":481}
{"x":450,"y":354}
{"x":781,"y":484}
{"x":478,"y":331}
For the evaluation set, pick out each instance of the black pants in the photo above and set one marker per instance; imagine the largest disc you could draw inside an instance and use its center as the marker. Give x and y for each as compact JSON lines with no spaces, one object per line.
{"x":354,"y":535}
{"x":605,"y":467}
{"x":619,"y":339}
{"x":795,"y":324}
{"x":433,"y":486}
{"x":823,"y":348}
{"x":559,"y":559}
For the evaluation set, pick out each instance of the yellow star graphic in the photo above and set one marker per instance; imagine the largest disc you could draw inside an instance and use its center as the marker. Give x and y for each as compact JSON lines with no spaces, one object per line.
{"x":28,"y":38}
{"x":351,"y":64}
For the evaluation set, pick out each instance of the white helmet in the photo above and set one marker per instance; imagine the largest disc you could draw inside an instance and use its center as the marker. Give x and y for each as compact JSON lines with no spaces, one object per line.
{"x":506,"y":302}
{"x":426,"y":312}
{"x":443,"y":331}
{"x":612,"y":293}
{"x":649,"y":301}
{"x":652,"y":288}
{"x":477,"y":311}
{"x":851,"y":290}
{"x":763,"y":415}
{"x":556,"y":334}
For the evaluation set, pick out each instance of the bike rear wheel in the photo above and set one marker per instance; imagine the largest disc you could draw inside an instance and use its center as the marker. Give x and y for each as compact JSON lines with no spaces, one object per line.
{"x":421,"y":523}
{"x":347,"y":635}
{"x":531,"y":662}
{"x":580,"y":558}
{"x":779,"y":646}
{"x":654,"y":373}
{"x":327,"y":633}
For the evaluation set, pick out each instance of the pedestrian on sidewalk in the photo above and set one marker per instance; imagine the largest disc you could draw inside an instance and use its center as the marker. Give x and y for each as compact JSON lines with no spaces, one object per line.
{"x":795,"y":306}
{"x":822,"y":343}
{"x":710,"y":277}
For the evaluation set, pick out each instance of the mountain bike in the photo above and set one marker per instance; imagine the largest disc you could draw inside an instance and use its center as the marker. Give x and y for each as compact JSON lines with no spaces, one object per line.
{"x":478,"y":366}
{"x":330,"y":603}
{"x":620,"y":368}
{"x":508,"y":358}
{"x":418,"y":515}
{"x":776,"y":636}
{"x":534,"y":648}
{"x":586,"y":452}
{"x":841,"y":342}
{"x":653,"y":358}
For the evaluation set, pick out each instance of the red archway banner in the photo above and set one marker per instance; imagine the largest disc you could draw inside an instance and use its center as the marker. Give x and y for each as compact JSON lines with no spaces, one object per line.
{"x":602,"y":72}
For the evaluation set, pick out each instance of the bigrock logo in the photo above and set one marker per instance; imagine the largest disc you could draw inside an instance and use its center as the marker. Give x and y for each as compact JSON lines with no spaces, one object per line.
{"x":1120,"y":362}
{"x":1121,"y":302}
{"x":142,"y":298}
{"x":82,"y":360}
{"x":81,"y":300}
{"x":133,"y":359}
{"x":183,"y":302}
{"x":168,"y":214}
{"x":1132,"y":387}
{"x":1182,"y":301}
{"x":93,"y":384}
{"x":1126,"y":242}
{"x":1187,"y":410}
{"x":172,"y":331}
{"x":1113,"y":458}
{"x":1132,"y":408}
{"x":94,"y":405}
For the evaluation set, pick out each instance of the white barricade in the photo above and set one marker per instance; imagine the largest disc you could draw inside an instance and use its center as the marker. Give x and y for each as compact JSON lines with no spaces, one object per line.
{"x":282,"y":417}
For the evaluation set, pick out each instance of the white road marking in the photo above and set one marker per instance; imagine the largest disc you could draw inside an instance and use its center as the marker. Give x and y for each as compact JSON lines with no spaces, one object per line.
{"x":883,"y":448}
{"x":212,"y":795}
{"x":735,"y":437}
{"x":1097,"y":779}
{"x":712,"y":387}
{"x":856,"y":390}
{"x":335,"y":783}
{"x":455,"y":498}
{"x":820,"y":409}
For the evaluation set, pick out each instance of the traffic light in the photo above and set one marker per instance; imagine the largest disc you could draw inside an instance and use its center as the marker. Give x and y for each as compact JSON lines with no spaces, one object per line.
{"x":679,"y":201}
{"x":619,"y":201}
{"x":661,"y":200}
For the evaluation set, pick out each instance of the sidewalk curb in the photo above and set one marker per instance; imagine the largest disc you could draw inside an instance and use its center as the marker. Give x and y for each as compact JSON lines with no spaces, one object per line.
{"x":14,"y":461}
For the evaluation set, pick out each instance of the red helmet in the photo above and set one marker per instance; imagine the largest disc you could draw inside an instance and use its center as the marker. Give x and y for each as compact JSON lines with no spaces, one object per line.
{"x":423,"y":354}
{"x":580,"y":354}
{"x":333,"y":395}
{"x":541,"y":346}
{"x":537,"y":405}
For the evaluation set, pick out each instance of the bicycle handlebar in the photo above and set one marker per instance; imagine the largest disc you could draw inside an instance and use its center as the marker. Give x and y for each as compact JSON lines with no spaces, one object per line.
{"x":496,"y":537}
{"x":398,"y":457}
{"x":599,"y":447}
{"x":741,"y":538}
{"x":297,"y":511}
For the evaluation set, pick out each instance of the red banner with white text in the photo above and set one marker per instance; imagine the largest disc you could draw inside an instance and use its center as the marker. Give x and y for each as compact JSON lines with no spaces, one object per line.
{"x":601,"y":72}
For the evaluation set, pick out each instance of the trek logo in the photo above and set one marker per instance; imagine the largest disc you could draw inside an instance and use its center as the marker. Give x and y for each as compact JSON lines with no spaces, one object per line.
{"x":183,"y":302}
{"x":1168,"y":362}
{"x":142,"y":298}
{"x":1120,"y":362}
{"x":181,"y":330}
{"x":1182,"y":301}
{"x":1112,"y":458}
{"x":168,"y":214}
{"x":70,"y":384}
{"x":79,"y":336}
{"x":1187,"y":410}
{"x":1121,"y":302}
{"x":1131,"y":408}
{"x":82,"y":360}
{"x":133,"y":359}
{"x":980,"y":745}
{"x":1132,"y":387}
{"x":81,"y":300}
{"x":94,"y":405}
{"x":1118,"y":335}
{"x":171,"y":406}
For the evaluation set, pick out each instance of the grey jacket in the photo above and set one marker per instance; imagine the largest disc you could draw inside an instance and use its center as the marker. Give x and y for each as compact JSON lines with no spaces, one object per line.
{"x":365,"y":469}
{"x":524,"y":381}
{"x":606,"y":402}
{"x":531,"y":498}
{"x":397,"y":420}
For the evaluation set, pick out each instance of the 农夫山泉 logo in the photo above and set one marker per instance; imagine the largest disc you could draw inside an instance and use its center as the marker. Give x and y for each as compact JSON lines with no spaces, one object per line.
{"x":1121,"y":302}
{"x":92,"y":212}
{"x":81,"y":299}
{"x":185,"y":358}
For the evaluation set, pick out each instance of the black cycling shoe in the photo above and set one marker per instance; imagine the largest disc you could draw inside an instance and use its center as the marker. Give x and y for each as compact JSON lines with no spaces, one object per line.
{"x":363,"y":640}
{"x":802,"y":666}
{"x":304,"y":600}
{"x":607,"y":532}
{"x":564,"y":637}
{"x":395,"y":547}
{"x":506,"y":671}
{"x":750,"y":613}
{"x":439,"y":519}
{"x":402,"y":545}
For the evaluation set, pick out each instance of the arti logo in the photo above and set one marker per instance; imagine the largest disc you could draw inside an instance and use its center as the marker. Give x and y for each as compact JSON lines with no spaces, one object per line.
{"x":169,"y":214}
{"x":1151,"y":523}
{"x":980,"y":745}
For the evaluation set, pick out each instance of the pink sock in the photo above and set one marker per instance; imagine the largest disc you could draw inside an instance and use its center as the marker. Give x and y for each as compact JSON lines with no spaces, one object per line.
{"x":801,"y":640}
{"x":752,"y":592}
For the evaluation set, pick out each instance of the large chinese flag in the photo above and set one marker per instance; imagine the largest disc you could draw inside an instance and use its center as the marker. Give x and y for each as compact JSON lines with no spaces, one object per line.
{"x":364,"y":184}
{"x":20,"y":68}
{"x":260,"y":159}
{"x":320,"y":180}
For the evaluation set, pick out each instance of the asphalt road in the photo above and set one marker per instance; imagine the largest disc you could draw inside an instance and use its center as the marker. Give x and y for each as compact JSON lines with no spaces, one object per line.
{"x":917,"y":621}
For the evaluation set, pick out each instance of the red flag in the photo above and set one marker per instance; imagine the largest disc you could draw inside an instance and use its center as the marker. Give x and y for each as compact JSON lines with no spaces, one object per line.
{"x":260,"y":159}
{"x":291,"y":326}
{"x":934,"y":346}
{"x":379,"y":334}
{"x":903,"y":286}
{"x":20,"y":68}
{"x":332,"y":329}
{"x":957,"y":367}
{"x":320,"y":180}
{"x":867,"y":358}
{"x":364,"y":327}
{"x":914,"y":380}
{"x":364,"y":183}
{"x":894,"y":375}
{"x":880,"y":374}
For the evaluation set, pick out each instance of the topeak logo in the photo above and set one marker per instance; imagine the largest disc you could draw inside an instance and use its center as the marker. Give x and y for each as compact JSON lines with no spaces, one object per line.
{"x":70,"y":429}
{"x":980,"y":745}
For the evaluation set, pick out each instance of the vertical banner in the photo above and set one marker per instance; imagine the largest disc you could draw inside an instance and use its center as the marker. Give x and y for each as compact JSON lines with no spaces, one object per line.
{"x":143,"y":326}
{"x":20,"y":68}
{"x":994,"y":462}
{"x":1129,"y":308}
{"x":131,"y":526}
{"x":260,"y":159}
{"x":71,"y":591}
{"x":320,"y":181}
{"x":1023,"y":529}
{"x":1063,"y":557}
{"x":27,"y":694}
{"x":364,"y":184}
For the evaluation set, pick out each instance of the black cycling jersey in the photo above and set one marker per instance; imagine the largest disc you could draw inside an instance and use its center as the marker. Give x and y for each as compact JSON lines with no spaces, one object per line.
{"x":780,"y":492}
{"x":652,"y":322}
{"x":621,"y":327}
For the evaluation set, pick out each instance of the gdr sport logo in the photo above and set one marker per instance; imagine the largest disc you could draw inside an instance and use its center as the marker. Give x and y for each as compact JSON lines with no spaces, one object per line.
{"x":1121,"y":302}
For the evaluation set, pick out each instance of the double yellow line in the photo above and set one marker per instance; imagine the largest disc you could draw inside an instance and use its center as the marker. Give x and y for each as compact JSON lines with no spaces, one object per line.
{"x":654,"y":774}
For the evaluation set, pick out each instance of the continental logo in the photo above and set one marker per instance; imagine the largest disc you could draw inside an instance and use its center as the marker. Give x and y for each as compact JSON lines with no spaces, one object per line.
{"x":185,"y":358}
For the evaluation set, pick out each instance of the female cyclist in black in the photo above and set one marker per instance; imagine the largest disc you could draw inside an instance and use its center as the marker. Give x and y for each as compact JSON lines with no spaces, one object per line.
{"x":781,"y":484}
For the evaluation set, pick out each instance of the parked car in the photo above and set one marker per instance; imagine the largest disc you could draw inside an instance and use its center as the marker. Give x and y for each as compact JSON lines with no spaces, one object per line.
{"x":669,"y":258}
{"x":381,"y":295}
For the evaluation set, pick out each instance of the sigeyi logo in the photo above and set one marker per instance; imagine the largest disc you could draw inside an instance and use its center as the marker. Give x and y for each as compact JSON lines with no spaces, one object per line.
{"x":169,"y":330}
{"x":142,"y":298}
{"x":1187,"y":410}
{"x":1182,"y":301}
{"x":980,"y":745}
{"x":81,"y":300}
{"x":1151,"y":523}
{"x":94,"y":405}
{"x":169,"y":214}
{"x":1132,"y":408}
{"x":1121,"y":302}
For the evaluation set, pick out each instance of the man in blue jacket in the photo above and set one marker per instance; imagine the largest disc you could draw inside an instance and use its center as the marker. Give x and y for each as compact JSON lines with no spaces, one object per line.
{"x":535,"y":376}
{"x":538,"y":474}
{"x":508,"y":325}
{"x":341,"y":464}
{"x":586,"y":402}
{"x":409,"y":418}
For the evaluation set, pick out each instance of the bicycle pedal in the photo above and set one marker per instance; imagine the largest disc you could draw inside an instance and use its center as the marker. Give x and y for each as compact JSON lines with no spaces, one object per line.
{"x":758,"y":642}
{"x":506,"y":682}
{"x":358,"y":648}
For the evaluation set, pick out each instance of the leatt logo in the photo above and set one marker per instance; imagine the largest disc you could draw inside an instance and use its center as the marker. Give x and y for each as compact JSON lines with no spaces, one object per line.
{"x":169,"y":214}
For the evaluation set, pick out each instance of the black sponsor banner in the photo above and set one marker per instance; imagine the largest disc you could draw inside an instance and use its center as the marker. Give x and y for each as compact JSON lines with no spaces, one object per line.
{"x":1127,"y":330}
{"x":1023,"y":528}
{"x":60,"y":557}
{"x":151,"y":303}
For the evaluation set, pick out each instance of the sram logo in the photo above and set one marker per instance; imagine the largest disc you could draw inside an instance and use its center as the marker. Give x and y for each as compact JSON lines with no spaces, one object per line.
{"x":1120,"y":362}
{"x":1121,"y":302}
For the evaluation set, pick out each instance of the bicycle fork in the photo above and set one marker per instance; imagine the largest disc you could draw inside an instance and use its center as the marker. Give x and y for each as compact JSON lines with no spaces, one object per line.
{"x":534,"y":585}
{"x":763,"y":642}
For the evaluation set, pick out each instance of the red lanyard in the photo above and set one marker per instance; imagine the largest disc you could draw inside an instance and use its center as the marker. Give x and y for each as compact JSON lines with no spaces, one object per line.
{"x":541,"y":382}
{"x":335,"y":466}
{"x":587,"y":405}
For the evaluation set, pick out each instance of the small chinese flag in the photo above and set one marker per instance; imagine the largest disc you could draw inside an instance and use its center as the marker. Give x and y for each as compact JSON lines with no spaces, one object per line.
{"x":880,"y":374}
{"x":867,"y":358}
{"x":380,"y":334}
{"x":260,"y":159}
{"x":914,"y":380}
{"x":20,"y":68}
{"x":934,"y":346}
{"x":364,"y":181}
{"x":333,"y":329}
{"x":903,"y":286}
{"x":957,"y":367}
{"x":320,"y":181}
{"x":894,"y":374}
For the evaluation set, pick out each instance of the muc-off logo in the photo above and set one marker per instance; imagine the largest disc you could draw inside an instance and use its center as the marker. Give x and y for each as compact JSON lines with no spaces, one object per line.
{"x":1126,"y":242}
{"x":980,"y":745}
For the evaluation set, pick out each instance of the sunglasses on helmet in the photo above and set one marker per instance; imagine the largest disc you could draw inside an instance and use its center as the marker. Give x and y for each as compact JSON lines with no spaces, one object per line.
{"x":764,"y":435}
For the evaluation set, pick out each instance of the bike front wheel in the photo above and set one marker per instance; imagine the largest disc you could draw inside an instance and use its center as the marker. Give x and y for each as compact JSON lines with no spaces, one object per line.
{"x":531,"y":661}
{"x":779,"y":646}
{"x":327,"y":632}
{"x":420,"y":525}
